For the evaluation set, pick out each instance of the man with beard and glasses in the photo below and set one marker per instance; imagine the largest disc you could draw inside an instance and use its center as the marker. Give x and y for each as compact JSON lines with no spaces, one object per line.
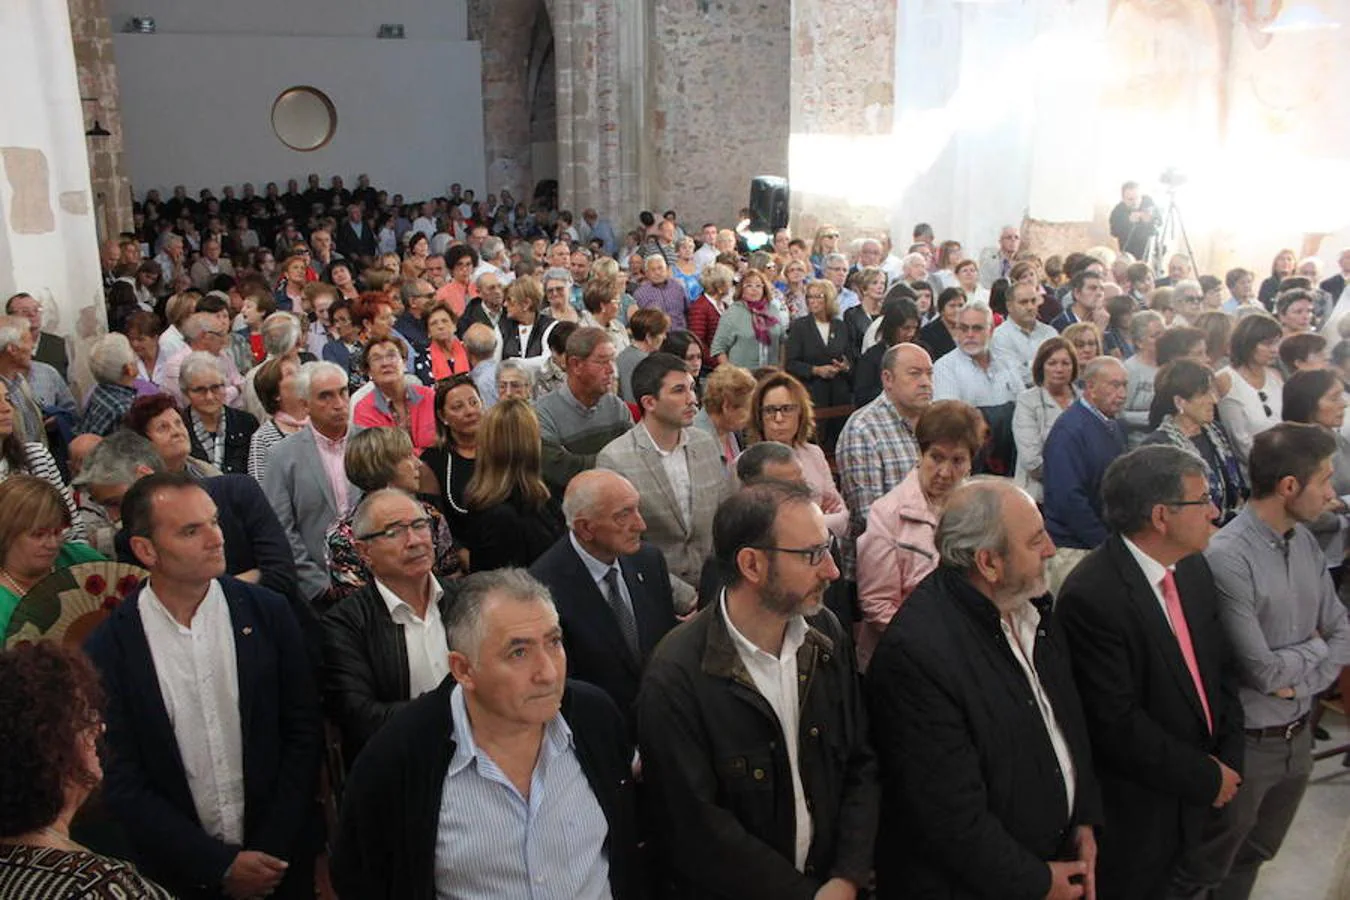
{"x":986,"y":767}
{"x":751,"y":726}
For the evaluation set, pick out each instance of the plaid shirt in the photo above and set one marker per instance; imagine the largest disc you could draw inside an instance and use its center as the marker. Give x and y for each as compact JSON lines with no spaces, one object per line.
{"x":105,"y":409}
{"x":875,"y":452}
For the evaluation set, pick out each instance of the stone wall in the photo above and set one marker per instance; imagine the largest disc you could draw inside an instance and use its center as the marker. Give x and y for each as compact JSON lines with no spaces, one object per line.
{"x":719,"y":112}
{"x":842,"y":85}
{"x":97,"y":72}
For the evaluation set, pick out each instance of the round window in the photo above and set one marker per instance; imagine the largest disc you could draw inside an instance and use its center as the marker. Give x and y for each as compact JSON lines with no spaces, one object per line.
{"x":303,"y":118}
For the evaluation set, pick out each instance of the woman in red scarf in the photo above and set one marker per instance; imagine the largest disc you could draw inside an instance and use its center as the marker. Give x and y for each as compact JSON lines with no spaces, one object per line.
{"x":445,"y":354}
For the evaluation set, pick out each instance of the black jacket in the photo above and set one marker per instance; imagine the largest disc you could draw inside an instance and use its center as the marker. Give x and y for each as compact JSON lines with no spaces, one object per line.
{"x":973,"y":797}
{"x":716,"y":772}
{"x":254,"y":539}
{"x":145,"y":785}
{"x":365,"y":665}
{"x":534,"y":343}
{"x":867,"y":375}
{"x":239,"y":428}
{"x":511,"y":533}
{"x":352,"y":246}
{"x":805,"y":350}
{"x":474,"y":314}
{"x":936,"y":339}
{"x":385,"y":845}
{"x":1334,"y":286}
{"x":1148,"y":730}
{"x":596,"y":650}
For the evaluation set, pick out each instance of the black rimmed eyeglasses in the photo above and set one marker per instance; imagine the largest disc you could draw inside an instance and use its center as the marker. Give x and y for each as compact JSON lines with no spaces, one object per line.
{"x":814,"y":556}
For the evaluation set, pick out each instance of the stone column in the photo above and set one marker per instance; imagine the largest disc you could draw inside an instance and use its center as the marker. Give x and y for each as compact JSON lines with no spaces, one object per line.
{"x":97,"y":70}
{"x":574,"y":35}
{"x":504,"y":29}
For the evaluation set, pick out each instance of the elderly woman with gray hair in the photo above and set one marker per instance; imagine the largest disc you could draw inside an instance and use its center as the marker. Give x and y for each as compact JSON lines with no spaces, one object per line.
{"x":219,"y":434}
{"x":558,"y":296}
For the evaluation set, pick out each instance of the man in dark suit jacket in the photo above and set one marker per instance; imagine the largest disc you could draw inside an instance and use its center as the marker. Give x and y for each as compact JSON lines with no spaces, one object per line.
{"x":611,"y":623}
{"x":487,"y":307}
{"x":507,"y":701}
{"x":355,"y":238}
{"x":1335,"y":285}
{"x":384,"y":644}
{"x":1154,"y":669}
{"x":987,"y":779}
{"x":213,"y":779}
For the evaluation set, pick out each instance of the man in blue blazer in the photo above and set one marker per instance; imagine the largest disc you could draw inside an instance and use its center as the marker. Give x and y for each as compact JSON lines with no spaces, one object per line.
{"x":1085,"y":439}
{"x":610,"y":623}
{"x":214,"y":733}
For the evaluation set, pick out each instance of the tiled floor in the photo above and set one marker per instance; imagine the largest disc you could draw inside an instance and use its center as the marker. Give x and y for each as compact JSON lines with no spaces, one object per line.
{"x":1303,"y":868}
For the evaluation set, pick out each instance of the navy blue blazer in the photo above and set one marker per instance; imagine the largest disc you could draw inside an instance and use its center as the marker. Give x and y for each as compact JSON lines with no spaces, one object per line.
{"x":145,"y":785}
{"x":596,"y":650}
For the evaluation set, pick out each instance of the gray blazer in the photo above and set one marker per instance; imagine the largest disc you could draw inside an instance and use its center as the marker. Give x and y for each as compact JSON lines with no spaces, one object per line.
{"x":300,"y":494}
{"x":685,"y":547}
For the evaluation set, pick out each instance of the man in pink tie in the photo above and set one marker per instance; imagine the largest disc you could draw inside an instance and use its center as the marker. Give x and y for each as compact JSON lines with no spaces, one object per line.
{"x":1154,"y":669}
{"x":1291,"y":638}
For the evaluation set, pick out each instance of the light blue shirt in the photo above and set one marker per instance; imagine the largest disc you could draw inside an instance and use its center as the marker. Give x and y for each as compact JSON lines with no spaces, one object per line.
{"x":484,"y":375}
{"x":494,"y":844}
{"x":1018,"y":347}
{"x":957,"y":376}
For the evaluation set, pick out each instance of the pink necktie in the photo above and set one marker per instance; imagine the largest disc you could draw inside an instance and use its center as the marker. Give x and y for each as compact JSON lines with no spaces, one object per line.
{"x":1183,"y":633}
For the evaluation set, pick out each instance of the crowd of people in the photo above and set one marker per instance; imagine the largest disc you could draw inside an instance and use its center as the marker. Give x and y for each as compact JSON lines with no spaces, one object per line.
{"x":656,"y":563}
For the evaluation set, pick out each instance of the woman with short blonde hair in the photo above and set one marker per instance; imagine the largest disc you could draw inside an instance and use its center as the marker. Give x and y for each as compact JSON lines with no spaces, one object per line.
{"x":726,"y":409}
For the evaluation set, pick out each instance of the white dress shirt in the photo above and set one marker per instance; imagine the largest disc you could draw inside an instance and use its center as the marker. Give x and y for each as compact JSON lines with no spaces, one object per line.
{"x":1022,"y":640}
{"x":424,"y":638}
{"x":676,"y":464}
{"x":198,"y":676}
{"x":775,"y":678}
{"x":1154,"y":573}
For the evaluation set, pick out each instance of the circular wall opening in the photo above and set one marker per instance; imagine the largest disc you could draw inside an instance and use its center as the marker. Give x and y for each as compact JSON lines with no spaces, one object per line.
{"x":303,"y":118}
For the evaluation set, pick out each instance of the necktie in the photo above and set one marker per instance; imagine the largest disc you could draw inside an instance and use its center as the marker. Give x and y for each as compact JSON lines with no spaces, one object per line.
{"x":1183,"y":634}
{"x":622,"y":612}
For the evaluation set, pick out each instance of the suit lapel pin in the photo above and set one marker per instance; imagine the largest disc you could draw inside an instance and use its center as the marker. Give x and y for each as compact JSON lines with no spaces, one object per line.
{"x":247,"y":630}
{"x":641,"y":580}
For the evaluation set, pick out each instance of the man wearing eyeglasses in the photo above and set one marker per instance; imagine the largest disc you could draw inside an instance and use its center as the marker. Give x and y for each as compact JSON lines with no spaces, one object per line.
{"x":203,"y":332}
{"x":751,"y":724}
{"x":1155,"y":671}
{"x":385,"y":644}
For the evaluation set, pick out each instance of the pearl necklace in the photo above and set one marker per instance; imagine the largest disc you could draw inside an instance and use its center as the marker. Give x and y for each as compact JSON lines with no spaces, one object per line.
{"x":13,"y":582}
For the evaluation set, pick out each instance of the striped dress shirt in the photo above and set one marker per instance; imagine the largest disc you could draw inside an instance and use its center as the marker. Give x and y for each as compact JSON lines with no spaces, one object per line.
{"x":493,"y":843}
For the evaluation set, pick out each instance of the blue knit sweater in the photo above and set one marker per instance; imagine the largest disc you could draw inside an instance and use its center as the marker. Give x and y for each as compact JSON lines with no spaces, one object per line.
{"x":1077,"y":451}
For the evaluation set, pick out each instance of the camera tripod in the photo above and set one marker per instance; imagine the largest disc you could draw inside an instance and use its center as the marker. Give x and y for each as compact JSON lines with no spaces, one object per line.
{"x":1172,"y":226}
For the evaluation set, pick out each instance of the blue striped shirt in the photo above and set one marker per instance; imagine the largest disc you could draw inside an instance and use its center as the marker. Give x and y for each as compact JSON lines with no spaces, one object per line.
{"x":494,"y":844}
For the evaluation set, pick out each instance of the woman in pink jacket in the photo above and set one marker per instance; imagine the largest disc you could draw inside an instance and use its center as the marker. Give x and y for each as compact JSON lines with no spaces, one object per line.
{"x":897,"y":549}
